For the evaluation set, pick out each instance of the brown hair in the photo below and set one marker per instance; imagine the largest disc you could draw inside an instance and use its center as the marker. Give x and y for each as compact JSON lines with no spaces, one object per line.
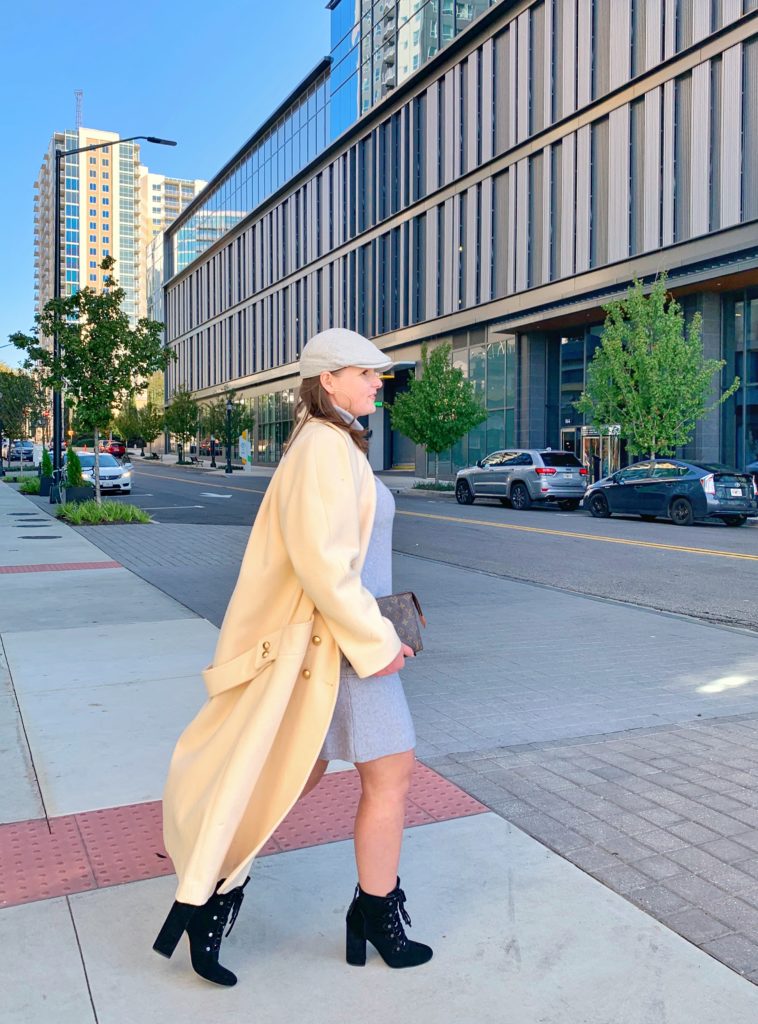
{"x":313,"y":402}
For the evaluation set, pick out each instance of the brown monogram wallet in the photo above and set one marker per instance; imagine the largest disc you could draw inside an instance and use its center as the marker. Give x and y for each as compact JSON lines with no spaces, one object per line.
{"x":404,"y":612}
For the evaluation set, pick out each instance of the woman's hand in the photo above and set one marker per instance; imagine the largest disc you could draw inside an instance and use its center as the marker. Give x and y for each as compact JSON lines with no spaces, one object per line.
{"x":397,"y":662}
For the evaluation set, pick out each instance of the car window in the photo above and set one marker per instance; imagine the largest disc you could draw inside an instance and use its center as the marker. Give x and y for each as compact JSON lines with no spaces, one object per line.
{"x":493,"y":459}
{"x":640,"y":471}
{"x":522,"y":459}
{"x":669,"y":471}
{"x":560,"y":459}
{"x":88,"y":461}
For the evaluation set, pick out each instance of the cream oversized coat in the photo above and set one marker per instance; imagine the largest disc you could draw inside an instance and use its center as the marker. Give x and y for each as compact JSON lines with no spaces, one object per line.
{"x":241,"y":764}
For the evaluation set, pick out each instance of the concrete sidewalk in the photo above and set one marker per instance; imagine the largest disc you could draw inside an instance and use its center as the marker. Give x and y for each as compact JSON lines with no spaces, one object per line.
{"x":101,"y":671}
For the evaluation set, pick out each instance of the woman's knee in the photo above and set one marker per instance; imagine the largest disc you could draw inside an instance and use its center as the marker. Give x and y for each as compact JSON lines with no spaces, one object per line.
{"x":387,"y":777}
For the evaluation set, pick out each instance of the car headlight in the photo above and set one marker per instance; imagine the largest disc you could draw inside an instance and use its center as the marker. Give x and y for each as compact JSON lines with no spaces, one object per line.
{"x":126,"y":476}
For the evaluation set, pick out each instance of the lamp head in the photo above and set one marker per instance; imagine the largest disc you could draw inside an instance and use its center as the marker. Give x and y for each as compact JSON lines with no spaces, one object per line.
{"x":159,"y":142}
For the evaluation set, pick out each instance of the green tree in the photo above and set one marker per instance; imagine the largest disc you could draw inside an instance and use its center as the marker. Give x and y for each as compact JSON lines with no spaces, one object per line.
{"x":181,"y":416}
{"x":214,"y":418}
{"x":126,"y":420}
{"x":102,"y":357}
{"x":440,"y":407}
{"x":17,"y":396}
{"x":650,"y":375}
{"x":151,"y":419}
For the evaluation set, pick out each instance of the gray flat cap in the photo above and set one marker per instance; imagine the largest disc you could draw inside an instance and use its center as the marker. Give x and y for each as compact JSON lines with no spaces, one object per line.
{"x":337,"y":347}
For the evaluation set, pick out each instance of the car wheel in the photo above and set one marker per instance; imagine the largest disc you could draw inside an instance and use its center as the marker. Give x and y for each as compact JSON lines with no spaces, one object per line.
{"x":598,"y":505}
{"x":734,"y":520}
{"x":463,"y":493}
{"x":681,"y":512}
{"x":568,"y":504}
{"x":520,"y":499}
{"x":647,"y":519}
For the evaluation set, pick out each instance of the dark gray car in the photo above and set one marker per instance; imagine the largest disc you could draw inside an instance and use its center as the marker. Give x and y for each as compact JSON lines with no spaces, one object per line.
{"x":521,"y":477}
{"x":681,"y":491}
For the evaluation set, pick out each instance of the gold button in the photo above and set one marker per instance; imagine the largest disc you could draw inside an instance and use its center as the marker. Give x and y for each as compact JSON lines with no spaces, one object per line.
{"x":306,"y":673}
{"x":265,"y":654}
{"x":266,"y":645}
{"x":316,"y":639}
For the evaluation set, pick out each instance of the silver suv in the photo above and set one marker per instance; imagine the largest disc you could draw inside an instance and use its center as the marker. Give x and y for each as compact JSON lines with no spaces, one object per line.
{"x":522,"y":476}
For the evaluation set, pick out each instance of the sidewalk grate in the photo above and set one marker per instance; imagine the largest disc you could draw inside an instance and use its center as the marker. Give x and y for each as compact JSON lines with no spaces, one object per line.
{"x":97,"y":849}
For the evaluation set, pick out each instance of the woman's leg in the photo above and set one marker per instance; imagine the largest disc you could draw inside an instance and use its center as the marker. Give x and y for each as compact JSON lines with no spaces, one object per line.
{"x":314,"y":778}
{"x":379,"y":821}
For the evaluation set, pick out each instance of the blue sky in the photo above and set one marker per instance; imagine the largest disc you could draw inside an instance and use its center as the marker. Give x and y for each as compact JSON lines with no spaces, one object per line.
{"x":205,"y":74}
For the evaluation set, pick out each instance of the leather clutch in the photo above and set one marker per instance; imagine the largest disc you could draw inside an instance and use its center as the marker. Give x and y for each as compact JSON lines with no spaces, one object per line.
{"x":405,"y":614}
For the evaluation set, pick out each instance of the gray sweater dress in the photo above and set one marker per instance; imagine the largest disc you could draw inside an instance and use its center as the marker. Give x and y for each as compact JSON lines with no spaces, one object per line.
{"x":371,"y":718}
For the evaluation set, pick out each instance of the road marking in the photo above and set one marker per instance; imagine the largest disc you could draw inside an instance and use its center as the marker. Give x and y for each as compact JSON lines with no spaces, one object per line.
{"x":584,"y":536}
{"x":210,"y":494}
{"x":204,"y":483}
{"x":162,"y":508}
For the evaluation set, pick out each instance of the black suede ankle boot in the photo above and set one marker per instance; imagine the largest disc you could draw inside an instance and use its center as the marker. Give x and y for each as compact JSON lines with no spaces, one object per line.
{"x":205,"y":928}
{"x":379,"y":919}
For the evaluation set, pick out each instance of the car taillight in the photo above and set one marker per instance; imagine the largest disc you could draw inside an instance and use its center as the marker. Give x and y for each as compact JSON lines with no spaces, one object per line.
{"x":583,"y":472}
{"x":545,"y":470}
{"x":709,"y":483}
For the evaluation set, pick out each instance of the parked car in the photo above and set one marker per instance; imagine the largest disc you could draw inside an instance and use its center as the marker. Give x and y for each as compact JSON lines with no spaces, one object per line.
{"x":752,"y":469}
{"x":681,"y":491}
{"x":522,"y":476}
{"x":21,"y":451}
{"x":114,"y":475}
{"x":115,"y":447}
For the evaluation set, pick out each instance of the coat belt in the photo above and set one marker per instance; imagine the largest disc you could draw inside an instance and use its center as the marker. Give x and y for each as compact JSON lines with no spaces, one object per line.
{"x":250,"y":663}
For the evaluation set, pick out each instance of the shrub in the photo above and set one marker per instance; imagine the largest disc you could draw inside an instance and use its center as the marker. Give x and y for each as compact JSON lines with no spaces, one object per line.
{"x":89,"y":513}
{"x":73,"y":469}
{"x":47,"y":463}
{"x":30,"y":486}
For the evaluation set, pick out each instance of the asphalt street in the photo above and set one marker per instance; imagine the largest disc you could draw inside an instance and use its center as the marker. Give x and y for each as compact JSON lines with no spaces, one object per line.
{"x":705,"y":571}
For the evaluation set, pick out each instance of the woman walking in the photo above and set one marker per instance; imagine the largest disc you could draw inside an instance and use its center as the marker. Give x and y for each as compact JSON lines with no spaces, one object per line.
{"x":305,"y":671}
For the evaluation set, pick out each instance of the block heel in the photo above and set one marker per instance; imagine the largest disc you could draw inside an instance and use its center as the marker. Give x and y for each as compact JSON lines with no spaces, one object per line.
{"x":173,"y":928}
{"x":355,"y":945}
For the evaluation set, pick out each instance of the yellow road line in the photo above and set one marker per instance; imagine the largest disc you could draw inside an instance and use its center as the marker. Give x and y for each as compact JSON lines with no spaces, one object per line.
{"x":583,"y":536}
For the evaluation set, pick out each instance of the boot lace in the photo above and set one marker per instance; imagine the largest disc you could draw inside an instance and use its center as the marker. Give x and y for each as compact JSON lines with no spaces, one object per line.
{"x":227,"y":904}
{"x":393,"y":925}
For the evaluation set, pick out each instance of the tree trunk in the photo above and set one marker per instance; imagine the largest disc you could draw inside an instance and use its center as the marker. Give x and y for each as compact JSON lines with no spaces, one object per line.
{"x":436,"y":468}
{"x":98,"y":499}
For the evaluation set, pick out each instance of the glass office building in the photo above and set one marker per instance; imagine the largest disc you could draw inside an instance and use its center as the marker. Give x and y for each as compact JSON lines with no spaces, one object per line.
{"x":529,"y":161}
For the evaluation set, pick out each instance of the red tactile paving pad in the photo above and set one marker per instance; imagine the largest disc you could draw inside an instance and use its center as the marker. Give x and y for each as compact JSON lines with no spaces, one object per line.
{"x":96,"y":849}
{"x":37,"y":862}
{"x":59,"y":567}
{"x":125,"y":844}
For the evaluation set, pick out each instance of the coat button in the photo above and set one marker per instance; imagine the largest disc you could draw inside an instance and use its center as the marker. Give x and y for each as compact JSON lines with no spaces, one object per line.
{"x":265,"y":654}
{"x":306,"y":673}
{"x":266,"y":645}
{"x":316,"y":640}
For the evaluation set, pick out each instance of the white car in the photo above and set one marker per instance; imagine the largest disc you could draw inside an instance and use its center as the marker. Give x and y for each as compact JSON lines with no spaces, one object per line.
{"x":114,"y":475}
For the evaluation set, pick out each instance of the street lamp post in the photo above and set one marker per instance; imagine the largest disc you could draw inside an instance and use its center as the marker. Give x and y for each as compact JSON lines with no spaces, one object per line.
{"x":213,"y":452}
{"x":228,"y":468}
{"x":60,"y":155}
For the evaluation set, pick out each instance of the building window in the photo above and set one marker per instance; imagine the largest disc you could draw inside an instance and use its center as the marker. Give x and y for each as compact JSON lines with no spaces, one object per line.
{"x":93,"y":264}
{"x":105,"y":188}
{"x":106,"y":213}
{"x":93,"y":252}
{"x":93,"y":225}
{"x":93,"y":238}
{"x":93,"y":277}
{"x":93,"y":187}
{"x":93,"y":174}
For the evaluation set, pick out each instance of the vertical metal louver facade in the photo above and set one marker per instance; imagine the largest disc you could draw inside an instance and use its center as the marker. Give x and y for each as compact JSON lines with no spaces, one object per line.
{"x":552,"y":143}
